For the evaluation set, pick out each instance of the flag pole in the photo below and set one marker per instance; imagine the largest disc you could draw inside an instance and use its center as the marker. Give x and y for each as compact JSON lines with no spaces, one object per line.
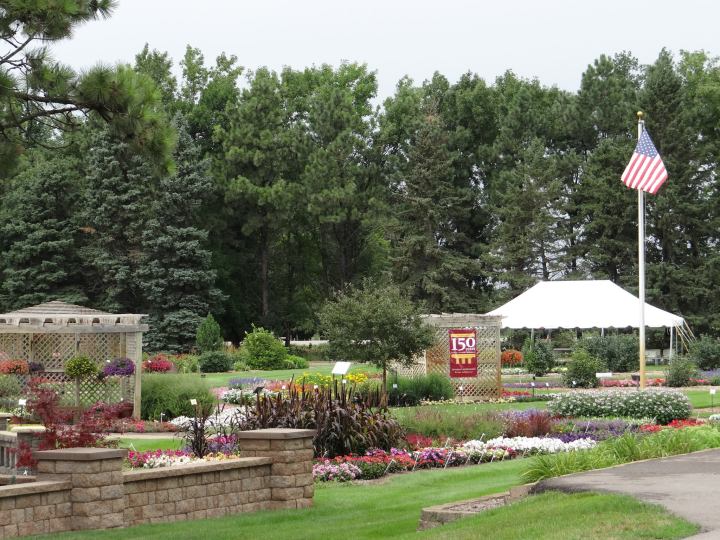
{"x":641,"y":266}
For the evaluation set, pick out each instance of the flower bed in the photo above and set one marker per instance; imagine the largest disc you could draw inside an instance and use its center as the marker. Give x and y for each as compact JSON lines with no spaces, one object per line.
{"x":378,"y":463}
{"x":154,"y":459}
{"x":661,"y":404}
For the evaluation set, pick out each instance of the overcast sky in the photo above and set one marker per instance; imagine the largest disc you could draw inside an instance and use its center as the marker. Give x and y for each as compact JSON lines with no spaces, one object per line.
{"x":553,"y":40}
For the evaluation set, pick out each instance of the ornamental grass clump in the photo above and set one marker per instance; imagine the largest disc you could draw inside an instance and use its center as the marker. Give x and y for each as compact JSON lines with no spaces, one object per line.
{"x":663,"y":405}
{"x":624,"y":449}
{"x":344,"y":423}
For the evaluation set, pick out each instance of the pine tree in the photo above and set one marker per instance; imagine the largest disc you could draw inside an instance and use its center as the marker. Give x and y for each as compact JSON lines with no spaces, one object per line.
{"x":38,"y":236}
{"x":432,"y":259}
{"x":176,"y":271}
{"x":118,"y":188}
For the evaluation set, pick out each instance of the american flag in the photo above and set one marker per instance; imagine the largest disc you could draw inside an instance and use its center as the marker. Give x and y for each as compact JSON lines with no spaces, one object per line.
{"x":646,"y":169}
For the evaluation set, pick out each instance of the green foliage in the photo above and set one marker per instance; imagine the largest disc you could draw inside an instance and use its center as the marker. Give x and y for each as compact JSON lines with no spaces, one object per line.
{"x":209,"y":335}
{"x":80,"y":367}
{"x":662,"y":405}
{"x":538,"y":356}
{"x":705,"y":352}
{"x":171,"y":396}
{"x":624,"y":449}
{"x":617,"y":352}
{"x":42,"y":95}
{"x":176,"y":275}
{"x":264,"y":350}
{"x":680,"y":370}
{"x":39,"y":237}
{"x":375,"y":323}
{"x":10,"y":387}
{"x":412,"y":390}
{"x":186,"y":363}
{"x":312,"y":353}
{"x":215,"y":362}
{"x":581,"y":370}
{"x":296,"y":362}
{"x":440,"y":425}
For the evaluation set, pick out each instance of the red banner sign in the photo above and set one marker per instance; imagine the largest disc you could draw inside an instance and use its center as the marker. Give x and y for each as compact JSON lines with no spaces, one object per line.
{"x":463,"y":353}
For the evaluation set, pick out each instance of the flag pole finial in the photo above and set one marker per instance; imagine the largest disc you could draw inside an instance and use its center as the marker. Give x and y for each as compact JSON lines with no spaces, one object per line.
{"x":640,"y":115}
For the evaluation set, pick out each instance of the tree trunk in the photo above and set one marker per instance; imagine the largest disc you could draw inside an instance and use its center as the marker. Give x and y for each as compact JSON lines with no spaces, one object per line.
{"x":264,"y":281}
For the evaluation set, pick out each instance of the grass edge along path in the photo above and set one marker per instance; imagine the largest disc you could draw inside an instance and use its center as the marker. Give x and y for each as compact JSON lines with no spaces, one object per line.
{"x":381,"y":509}
{"x":561,"y":516}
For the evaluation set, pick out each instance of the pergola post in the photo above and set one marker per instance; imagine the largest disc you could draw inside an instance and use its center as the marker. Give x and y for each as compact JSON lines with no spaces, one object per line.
{"x":134,"y":352}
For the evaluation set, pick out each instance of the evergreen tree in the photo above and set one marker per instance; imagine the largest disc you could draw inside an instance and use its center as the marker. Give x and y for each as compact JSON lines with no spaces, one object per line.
{"x":39,"y":237}
{"x":176,"y":272}
{"x":431,"y":253}
{"x":118,"y":186}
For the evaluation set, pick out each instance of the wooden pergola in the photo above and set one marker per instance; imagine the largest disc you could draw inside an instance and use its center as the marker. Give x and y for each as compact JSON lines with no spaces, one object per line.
{"x":53,"y":332}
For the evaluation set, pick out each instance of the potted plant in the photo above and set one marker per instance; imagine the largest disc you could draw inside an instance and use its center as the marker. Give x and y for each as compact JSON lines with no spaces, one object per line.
{"x":80,"y":368}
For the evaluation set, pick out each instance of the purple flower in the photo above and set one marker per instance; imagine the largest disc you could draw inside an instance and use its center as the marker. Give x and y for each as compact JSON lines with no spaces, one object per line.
{"x":120,"y":367}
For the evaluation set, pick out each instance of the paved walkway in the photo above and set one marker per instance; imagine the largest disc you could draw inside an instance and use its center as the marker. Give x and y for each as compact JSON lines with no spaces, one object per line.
{"x":687,"y":485}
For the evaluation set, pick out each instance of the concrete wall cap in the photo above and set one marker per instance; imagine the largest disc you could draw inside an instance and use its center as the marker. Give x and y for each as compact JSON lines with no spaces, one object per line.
{"x":28,"y":429}
{"x":139,"y":475}
{"x":81,"y":454}
{"x":33,"y":488}
{"x":276,"y":433}
{"x":5,"y":415}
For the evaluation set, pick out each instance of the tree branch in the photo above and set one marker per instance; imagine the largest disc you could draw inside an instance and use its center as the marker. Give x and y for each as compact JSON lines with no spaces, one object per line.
{"x":19,"y":48}
{"x":39,"y":114}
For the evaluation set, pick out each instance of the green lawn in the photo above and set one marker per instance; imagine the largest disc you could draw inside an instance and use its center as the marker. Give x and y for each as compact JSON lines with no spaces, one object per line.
{"x":701,"y":399}
{"x":141,"y":445}
{"x":391,"y":509}
{"x":559,"y":516}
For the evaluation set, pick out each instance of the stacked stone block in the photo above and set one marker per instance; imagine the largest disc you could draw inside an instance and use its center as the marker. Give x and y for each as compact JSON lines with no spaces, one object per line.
{"x":196,"y":491}
{"x":291,"y":451}
{"x":97,"y":493}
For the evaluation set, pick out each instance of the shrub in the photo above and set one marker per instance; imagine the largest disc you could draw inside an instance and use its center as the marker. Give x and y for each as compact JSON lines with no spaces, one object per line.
{"x":158,"y":364}
{"x":661,"y":404}
{"x":14,"y":367}
{"x":705,"y":352}
{"x":120,"y":367}
{"x":10,"y":386}
{"x":186,"y":363}
{"x":538,"y":355}
{"x":171,"y":396}
{"x":263,"y":349}
{"x":680,"y":371}
{"x":343,"y":425}
{"x":209,"y":335}
{"x":297,"y":362}
{"x":215,"y":362}
{"x":411,"y":390}
{"x":80,"y":367}
{"x":616,"y":352}
{"x":581,"y":370}
{"x":511,"y":358}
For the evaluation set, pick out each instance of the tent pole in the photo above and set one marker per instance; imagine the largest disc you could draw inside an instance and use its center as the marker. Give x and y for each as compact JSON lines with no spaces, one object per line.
{"x":672,"y":335}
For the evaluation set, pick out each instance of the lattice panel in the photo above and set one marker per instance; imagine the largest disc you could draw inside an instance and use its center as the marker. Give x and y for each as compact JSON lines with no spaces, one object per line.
{"x":15,"y":345}
{"x":487,"y":384}
{"x":52,"y":350}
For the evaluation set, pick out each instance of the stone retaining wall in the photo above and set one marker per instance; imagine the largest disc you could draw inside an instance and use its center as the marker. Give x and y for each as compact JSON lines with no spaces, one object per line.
{"x":86,"y":488}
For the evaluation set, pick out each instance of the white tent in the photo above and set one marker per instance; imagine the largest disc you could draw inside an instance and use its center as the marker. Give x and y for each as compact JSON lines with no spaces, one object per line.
{"x":580,"y":304}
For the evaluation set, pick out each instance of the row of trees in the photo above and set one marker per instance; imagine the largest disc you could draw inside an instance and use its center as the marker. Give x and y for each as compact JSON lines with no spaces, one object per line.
{"x":285,"y":187}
